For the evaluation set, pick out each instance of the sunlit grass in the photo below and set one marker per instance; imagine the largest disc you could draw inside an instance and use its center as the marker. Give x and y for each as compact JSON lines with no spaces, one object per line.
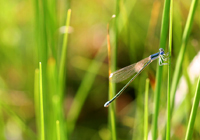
{"x":146,"y":110}
{"x":54,"y":72}
{"x":181,"y":54}
{"x":41,"y":108}
{"x":112,"y":87}
{"x":193,"y":113}
{"x":168,"y":129}
{"x":65,"y":98}
{"x":58,"y":130}
{"x":163,"y":40}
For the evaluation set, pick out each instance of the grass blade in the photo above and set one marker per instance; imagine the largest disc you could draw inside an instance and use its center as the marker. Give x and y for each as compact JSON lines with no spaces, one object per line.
{"x":56,"y":100}
{"x":61,"y":75}
{"x":58,"y":129}
{"x":111,"y":92}
{"x":146,"y":110}
{"x":41,"y":104}
{"x":112,"y":67}
{"x":179,"y":62}
{"x":42,"y":48}
{"x":193,"y":112}
{"x":163,"y":37}
{"x":37,"y":101}
{"x":169,"y":74}
{"x":64,"y":52}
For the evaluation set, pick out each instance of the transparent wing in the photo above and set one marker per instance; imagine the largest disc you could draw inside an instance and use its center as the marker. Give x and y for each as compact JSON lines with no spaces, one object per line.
{"x":126,"y":72}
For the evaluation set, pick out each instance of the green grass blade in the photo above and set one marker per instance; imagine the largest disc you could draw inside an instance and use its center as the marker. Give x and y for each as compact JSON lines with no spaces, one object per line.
{"x":112,"y":113}
{"x":58,"y":129}
{"x":169,"y":74}
{"x":37,"y":19}
{"x":42,"y":48}
{"x":56,"y":106}
{"x":37,"y":101}
{"x":163,"y":38}
{"x":193,"y":112}
{"x":52,"y":26}
{"x":111,"y":88}
{"x":64,"y":53}
{"x":62,"y":74}
{"x":41,"y":103}
{"x":112,"y":67}
{"x":42,"y":34}
{"x":179,"y":62}
{"x":146,"y":110}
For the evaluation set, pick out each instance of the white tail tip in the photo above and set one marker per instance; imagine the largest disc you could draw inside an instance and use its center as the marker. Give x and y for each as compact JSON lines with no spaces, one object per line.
{"x":107,"y":104}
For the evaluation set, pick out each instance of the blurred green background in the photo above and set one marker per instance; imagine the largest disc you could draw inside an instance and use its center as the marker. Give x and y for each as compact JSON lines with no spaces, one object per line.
{"x":32,"y":31}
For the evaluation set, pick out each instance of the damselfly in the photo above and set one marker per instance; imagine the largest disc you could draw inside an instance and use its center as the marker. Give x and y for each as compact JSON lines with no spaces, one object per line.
{"x":126,"y":72}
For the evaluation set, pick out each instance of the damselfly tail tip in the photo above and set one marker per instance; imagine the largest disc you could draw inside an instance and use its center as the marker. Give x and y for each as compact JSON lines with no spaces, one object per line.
{"x":107,"y":104}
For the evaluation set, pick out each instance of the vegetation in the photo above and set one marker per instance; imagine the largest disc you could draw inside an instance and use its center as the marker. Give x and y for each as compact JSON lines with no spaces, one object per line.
{"x":56,"y":57}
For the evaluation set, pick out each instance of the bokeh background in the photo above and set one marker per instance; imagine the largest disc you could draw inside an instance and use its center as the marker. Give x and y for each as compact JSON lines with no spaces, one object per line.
{"x":139,"y":25}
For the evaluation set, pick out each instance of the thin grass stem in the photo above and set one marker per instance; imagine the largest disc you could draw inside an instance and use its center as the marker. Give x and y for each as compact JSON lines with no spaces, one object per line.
{"x":41,"y":103}
{"x":163,"y":38}
{"x":61,"y":76}
{"x":37,"y":101}
{"x":179,"y":62}
{"x":146,"y":110}
{"x":111,"y":91}
{"x":169,"y":74}
{"x":64,"y":53}
{"x":193,"y":113}
{"x":112,"y":67}
{"x":58,"y":129}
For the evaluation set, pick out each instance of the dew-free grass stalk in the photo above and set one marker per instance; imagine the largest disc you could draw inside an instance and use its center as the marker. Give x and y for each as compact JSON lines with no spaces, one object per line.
{"x":146,"y":110}
{"x":193,"y":114}
{"x":42,"y":49}
{"x":58,"y":130}
{"x":44,"y":24}
{"x":163,"y":38}
{"x":111,"y":91}
{"x":179,"y":62}
{"x":112,"y":113}
{"x":112,"y":67}
{"x":169,"y":74}
{"x":64,"y":53}
{"x":52,"y":26}
{"x":37,"y":101}
{"x":56,"y":100}
{"x":61,"y":79}
{"x":42,"y":35}
{"x":37,"y":25}
{"x":41,"y":103}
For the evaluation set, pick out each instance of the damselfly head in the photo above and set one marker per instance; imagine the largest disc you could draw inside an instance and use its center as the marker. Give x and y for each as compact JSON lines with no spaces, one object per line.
{"x":161,"y":51}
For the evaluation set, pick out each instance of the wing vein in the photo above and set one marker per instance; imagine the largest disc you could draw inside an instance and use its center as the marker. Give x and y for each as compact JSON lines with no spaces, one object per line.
{"x":128,"y":71}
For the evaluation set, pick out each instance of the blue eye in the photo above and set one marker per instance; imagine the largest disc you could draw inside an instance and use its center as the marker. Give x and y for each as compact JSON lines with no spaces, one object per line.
{"x":162,"y":52}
